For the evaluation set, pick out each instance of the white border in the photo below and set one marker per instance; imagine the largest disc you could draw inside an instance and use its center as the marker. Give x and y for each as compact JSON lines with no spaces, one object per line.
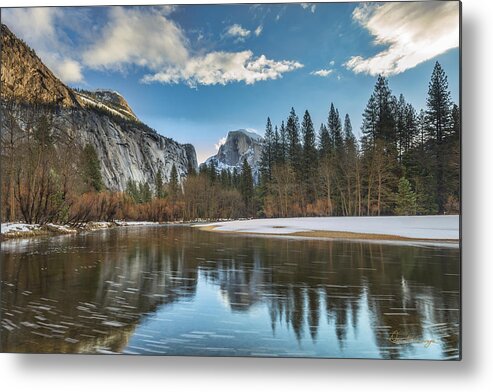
{"x":474,"y":373}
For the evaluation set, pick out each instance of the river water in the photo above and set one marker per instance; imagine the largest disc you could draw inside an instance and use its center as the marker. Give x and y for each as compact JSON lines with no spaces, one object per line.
{"x":176,"y":290}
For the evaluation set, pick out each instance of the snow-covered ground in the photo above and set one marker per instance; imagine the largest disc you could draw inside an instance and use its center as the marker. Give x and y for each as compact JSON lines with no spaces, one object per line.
{"x":16,"y":230}
{"x":416,"y":227}
{"x":135,"y":223}
{"x":7,"y":228}
{"x":25,"y":229}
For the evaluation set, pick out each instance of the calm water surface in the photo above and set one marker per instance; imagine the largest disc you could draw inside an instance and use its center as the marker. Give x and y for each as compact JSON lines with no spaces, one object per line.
{"x":180,"y":291}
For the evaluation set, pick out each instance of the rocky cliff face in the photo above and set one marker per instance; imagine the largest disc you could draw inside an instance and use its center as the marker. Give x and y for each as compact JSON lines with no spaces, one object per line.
{"x":26,"y":79}
{"x":239,"y":146}
{"x":127,"y":148}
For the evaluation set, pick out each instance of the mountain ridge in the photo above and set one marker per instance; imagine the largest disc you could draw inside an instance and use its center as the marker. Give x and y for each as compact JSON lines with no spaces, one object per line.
{"x":127,"y":148}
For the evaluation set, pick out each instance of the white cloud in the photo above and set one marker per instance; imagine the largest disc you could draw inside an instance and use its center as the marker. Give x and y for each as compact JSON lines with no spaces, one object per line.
{"x":413,"y":33}
{"x":220,"y":142}
{"x":142,"y":37}
{"x":138,"y":36}
{"x":70,"y":70}
{"x":37,"y":26}
{"x":237,"y":31}
{"x":311,"y":7}
{"x":223,"y":68}
{"x":322,"y":72}
{"x":331,"y":63}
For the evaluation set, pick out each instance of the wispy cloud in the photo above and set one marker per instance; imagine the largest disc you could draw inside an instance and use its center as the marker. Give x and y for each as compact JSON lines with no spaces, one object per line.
{"x":143,"y":37}
{"x":136,"y":36}
{"x":322,"y":72}
{"x":238,"y":32}
{"x":220,"y":142}
{"x":413,"y":32}
{"x":309,"y":6}
{"x":223,"y":68}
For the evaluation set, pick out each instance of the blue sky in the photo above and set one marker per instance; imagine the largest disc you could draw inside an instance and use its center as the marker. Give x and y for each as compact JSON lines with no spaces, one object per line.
{"x":196,"y":72}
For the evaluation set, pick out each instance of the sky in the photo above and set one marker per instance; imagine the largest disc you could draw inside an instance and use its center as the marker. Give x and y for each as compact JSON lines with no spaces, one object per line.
{"x":196,"y":72}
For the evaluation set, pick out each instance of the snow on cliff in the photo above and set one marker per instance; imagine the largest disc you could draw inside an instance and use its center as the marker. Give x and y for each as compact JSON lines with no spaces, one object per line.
{"x":240,"y":145}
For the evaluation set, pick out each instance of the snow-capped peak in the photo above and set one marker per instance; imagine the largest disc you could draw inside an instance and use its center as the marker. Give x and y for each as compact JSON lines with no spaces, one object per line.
{"x":252,"y":133}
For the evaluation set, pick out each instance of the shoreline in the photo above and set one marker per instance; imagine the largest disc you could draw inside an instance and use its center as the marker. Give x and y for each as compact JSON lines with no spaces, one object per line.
{"x":396,"y":229}
{"x":442,"y":229}
{"x":329,"y":234}
{"x":25,"y":230}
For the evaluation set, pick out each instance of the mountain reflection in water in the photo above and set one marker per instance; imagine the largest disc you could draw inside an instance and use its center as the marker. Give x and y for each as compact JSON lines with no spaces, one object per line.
{"x":175,"y":290}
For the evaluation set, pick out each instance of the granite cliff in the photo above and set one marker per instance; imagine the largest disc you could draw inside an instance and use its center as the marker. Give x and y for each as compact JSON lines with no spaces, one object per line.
{"x":127,"y":148}
{"x":240,"y":145}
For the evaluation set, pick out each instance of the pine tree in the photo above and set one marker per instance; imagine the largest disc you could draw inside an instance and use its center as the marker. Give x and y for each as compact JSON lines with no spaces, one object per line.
{"x":283,"y":142}
{"x":267,"y":155}
{"x":235,"y":178}
{"x":385,"y":127}
{"x":173,"y":184}
{"x":224,"y":178}
{"x":400,"y":125}
{"x":351,"y":171}
{"x":159,"y":184}
{"x":422,"y":134}
{"x":455,"y":121}
{"x":410,"y":127}
{"x":370,"y":122}
{"x":438,"y":119}
{"x":453,"y":147}
{"x":309,"y":152}
{"x":91,"y":168}
{"x":406,"y":199}
{"x":324,"y":142}
{"x":145,"y":193}
{"x":348,"y":132}
{"x":212,"y":171}
{"x":246,"y":186}
{"x":132,"y":191}
{"x":293,"y":142}
{"x":335,"y":128}
{"x":278,"y":154}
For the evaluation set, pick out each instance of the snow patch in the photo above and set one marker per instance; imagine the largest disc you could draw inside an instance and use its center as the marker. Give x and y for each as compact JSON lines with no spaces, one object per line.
{"x":416,"y":227}
{"x":131,"y":223}
{"x":250,"y":132}
{"x":10,"y":228}
{"x":101,"y":105}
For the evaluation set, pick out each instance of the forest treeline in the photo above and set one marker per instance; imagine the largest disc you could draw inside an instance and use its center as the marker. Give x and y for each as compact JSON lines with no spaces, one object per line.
{"x":405,"y":163}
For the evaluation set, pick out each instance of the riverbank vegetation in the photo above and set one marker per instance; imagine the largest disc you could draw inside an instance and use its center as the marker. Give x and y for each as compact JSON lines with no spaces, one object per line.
{"x":407,"y":162}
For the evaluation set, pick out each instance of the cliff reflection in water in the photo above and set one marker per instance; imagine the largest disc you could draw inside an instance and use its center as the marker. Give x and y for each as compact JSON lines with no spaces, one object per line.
{"x":177,"y":290}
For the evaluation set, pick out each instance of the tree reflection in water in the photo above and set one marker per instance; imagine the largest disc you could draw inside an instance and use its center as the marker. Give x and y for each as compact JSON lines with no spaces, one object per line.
{"x":95,"y":292}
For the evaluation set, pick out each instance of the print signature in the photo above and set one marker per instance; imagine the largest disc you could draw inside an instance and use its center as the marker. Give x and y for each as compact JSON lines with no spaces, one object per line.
{"x":397,"y":339}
